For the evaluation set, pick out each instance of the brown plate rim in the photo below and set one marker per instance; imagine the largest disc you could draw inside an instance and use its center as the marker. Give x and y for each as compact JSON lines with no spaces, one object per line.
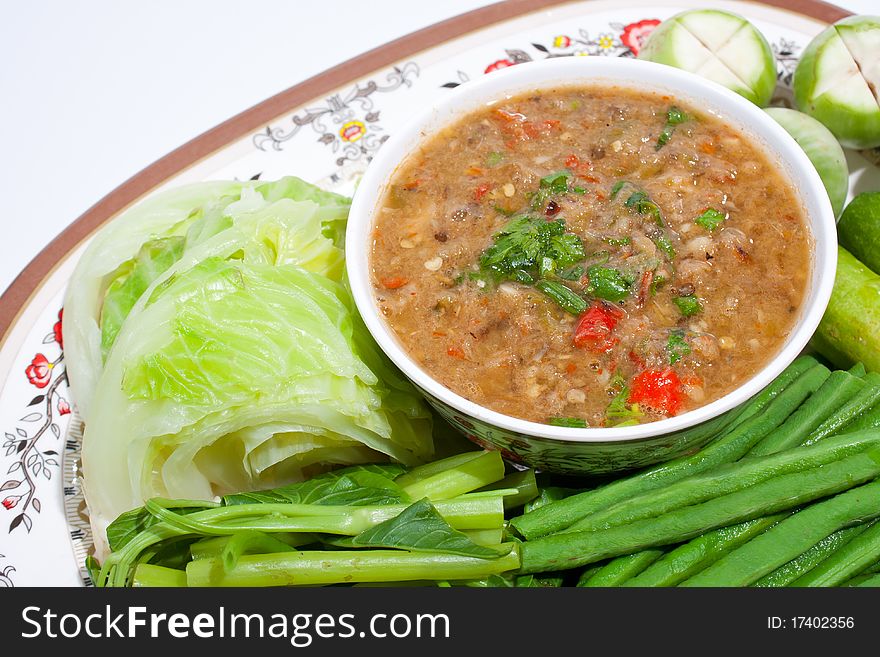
{"x":23,"y":287}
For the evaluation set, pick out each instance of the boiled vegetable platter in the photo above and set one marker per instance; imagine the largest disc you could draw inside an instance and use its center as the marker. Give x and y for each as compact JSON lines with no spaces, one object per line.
{"x":44,"y":511}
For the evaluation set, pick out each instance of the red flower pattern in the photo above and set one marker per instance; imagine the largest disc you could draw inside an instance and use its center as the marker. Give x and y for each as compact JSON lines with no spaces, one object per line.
{"x":39,"y":371}
{"x":63,"y":407}
{"x":11,"y":501}
{"x":562,"y":41}
{"x":634,"y":34}
{"x":501,"y":63}
{"x":59,"y":338}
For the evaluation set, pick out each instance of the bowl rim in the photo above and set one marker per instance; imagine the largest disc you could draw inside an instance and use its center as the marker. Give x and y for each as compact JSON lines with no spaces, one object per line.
{"x":777,"y":144}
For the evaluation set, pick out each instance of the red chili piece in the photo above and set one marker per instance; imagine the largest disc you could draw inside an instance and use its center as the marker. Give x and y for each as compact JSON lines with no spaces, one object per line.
{"x":657,"y":390}
{"x":456,"y":352}
{"x":480,"y":191}
{"x":594,"y":328}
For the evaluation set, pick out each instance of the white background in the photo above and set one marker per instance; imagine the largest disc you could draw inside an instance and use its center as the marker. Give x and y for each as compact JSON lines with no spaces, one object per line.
{"x":93,"y":91}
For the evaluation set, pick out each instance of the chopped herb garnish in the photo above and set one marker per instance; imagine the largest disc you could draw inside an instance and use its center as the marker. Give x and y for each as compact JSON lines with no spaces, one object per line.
{"x":710,"y":219}
{"x":607,"y":283}
{"x":547,"y":267}
{"x":572,"y":274}
{"x":658,"y":282}
{"x":677,"y":347}
{"x":620,"y":409}
{"x":663,"y":243}
{"x":640,"y":202}
{"x":635,"y":198}
{"x":578,"y":190}
{"x":688,"y":305}
{"x":500,"y":210}
{"x":523,"y":242}
{"x":629,"y":276}
{"x":530,"y":251}
{"x":573,"y":422}
{"x":494,"y":159}
{"x":566,"y":249}
{"x":556,"y":182}
{"x":674,"y":117}
{"x":617,"y":241}
{"x":599,"y":257}
{"x":566,"y":298}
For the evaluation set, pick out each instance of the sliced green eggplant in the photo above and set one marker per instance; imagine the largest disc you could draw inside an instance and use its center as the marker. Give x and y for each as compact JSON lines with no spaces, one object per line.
{"x":718,"y":45}
{"x":837,"y":80}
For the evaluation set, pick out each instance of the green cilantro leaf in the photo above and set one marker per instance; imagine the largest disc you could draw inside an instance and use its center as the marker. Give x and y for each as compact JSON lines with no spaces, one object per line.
{"x":688,"y":305}
{"x":494,"y":159}
{"x":567,"y":299}
{"x":710,"y":219}
{"x":573,"y":422}
{"x":607,"y":283}
{"x":674,"y":117}
{"x":677,"y":347}
{"x":620,"y":409}
{"x":524,"y":243}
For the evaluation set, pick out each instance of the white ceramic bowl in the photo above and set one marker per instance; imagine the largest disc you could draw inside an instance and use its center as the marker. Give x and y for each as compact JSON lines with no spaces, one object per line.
{"x":593,"y":449}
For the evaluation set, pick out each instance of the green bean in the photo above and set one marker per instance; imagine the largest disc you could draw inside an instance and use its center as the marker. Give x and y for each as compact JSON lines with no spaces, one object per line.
{"x":619,"y":570}
{"x":858,"y":370}
{"x":869,"y":573}
{"x":699,"y":553}
{"x":870,"y":419}
{"x":726,"y":479}
{"x":873,"y":581}
{"x":846,"y":414}
{"x":548,"y":494}
{"x":759,"y":402}
{"x":559,"y":515}
{"x":538,"y":581}
{"x":838,"y":388}
{"x":588,"y":572}
{"x":789,"y":572}
{"x":872,"y":569}
{"x":563,"y":551}
{"x":791,"y":537}
{"x":848,"y":561}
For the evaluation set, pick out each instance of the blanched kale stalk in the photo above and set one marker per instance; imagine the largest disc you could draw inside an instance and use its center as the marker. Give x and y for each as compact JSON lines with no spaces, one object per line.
{"x":372,"y":523}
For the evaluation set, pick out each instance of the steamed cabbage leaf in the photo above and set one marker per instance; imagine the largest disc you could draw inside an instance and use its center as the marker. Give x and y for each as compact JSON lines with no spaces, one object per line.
{"x":135,"y":277}
{"x":223,"y":353}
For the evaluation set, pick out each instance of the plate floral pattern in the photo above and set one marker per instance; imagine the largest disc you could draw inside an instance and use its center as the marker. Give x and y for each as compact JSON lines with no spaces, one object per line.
{"x":44,"y":532}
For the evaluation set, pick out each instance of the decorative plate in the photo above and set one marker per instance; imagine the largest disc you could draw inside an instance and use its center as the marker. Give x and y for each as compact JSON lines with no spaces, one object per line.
{"x":324,"y":130}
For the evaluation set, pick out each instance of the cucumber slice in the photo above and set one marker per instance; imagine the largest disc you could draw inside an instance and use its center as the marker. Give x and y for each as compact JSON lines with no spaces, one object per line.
{"x":837,"y":80}
{"x":822,"y":148}
{"x":718,"y":45}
